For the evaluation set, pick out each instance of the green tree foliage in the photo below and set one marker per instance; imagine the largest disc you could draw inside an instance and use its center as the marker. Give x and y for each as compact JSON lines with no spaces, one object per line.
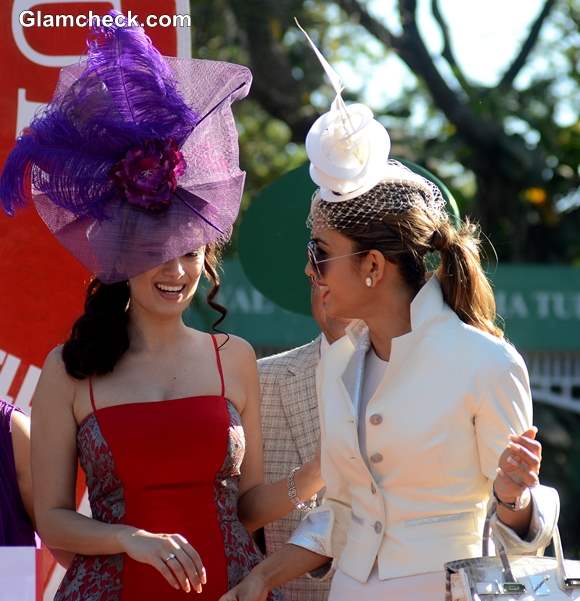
{"x":502,"y":148}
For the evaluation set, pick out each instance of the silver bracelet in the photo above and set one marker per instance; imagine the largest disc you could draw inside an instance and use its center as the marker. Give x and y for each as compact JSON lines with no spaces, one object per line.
{"x":298,"y":504}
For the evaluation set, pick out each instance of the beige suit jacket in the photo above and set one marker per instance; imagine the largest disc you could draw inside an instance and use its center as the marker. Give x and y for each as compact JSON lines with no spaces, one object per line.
{"x":291,"y":431}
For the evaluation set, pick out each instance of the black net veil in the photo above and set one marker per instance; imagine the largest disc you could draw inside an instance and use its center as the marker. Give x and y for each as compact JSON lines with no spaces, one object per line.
{"x":398,"y":193}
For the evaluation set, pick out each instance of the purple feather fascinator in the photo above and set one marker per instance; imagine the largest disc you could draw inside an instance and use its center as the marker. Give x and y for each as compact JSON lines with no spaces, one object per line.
{"x":135,"y":160}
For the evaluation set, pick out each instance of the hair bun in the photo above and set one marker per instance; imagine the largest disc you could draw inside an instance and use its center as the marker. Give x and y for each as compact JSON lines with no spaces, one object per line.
{"x":440,"y":240}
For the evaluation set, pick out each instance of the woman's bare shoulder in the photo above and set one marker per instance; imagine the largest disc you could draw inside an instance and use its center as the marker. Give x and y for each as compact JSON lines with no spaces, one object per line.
{"x":20,"y":426}
{"x":54,"y":360}
{"x":235,"y":347}
{"x":54,"y":377}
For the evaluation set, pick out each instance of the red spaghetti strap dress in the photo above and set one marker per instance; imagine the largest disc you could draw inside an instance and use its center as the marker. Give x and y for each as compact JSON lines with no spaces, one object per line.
{"x":171,"y":467}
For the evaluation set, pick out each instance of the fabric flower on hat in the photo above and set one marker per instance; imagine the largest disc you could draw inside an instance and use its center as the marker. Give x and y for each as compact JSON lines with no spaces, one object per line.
{"x":348,"y":150}
{"x":148,"y":174}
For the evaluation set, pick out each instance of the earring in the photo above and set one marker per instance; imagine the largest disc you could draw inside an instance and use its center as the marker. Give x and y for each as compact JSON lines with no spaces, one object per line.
{"x":369,"y":282}
{"x":129,"y":299}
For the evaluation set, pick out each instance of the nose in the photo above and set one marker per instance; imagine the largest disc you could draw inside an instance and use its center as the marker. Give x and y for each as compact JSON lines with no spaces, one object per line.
{"x":310,"y":272}
{"x":174,"y":267}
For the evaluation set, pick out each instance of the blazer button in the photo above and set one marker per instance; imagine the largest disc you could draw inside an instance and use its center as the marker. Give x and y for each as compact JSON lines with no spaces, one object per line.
{"x":376,"y":419}
{"x":376,"y":458}
{"x":373,"y":488}
{"x":378,"y":527}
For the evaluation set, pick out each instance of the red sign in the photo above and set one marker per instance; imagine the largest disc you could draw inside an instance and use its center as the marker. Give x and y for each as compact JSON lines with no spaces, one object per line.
{"x":41,"y":285}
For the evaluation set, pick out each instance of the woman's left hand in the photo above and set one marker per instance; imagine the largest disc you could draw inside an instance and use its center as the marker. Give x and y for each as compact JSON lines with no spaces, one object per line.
{"x":519,"y":466}
{"x":251,"y":588}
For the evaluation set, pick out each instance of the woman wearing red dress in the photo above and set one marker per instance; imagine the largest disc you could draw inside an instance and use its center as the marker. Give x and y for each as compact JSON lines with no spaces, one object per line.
{"x":134,"y":166}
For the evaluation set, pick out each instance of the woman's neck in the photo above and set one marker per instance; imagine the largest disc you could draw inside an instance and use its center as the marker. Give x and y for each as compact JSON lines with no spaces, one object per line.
{"x":151,"y":334}
{"x":389,"y":318}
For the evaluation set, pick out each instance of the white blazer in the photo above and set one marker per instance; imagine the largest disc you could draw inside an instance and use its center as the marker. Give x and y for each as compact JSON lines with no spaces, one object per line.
{"x":435,"y":428}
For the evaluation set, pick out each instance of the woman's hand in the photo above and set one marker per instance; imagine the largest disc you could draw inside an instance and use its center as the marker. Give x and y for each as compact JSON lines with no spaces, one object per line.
{"x":251,"y":588}
{"x":170,"y":554}
{"x":519,"y":466}
{"x":287,"y":563}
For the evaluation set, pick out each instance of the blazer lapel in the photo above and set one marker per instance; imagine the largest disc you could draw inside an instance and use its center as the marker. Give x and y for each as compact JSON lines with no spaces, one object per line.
{"x":300,"y":402}
{"x":352,"y":376}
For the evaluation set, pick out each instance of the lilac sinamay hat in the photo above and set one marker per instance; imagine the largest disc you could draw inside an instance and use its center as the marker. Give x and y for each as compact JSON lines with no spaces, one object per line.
{"x":135,"y":160}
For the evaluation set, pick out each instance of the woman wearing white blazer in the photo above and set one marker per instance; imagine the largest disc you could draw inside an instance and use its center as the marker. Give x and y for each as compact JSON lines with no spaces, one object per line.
{"x":425,"y":409}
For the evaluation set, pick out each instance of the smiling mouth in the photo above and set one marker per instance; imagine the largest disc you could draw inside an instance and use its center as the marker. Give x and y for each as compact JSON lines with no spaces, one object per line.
{"x":170,"y":289}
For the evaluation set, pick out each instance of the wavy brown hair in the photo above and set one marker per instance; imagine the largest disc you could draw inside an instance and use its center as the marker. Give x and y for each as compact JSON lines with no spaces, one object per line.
{"x":100,"y":336}
{"x":407,"y":237}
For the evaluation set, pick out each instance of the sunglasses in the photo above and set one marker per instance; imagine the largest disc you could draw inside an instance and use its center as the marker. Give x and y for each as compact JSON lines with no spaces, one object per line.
{"x":318,"y":258}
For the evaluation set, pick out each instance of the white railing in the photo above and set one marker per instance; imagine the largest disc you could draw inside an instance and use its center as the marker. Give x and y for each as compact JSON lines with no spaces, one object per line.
{"x":555,"y":378}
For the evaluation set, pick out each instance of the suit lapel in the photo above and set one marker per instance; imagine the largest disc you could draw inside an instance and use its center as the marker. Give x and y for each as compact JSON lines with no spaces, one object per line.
{"x":352,"y":376}
{"x":299,"y":401}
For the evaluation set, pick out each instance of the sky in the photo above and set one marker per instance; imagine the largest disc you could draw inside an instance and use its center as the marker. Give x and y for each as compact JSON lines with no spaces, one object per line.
{"x":485,"y":35}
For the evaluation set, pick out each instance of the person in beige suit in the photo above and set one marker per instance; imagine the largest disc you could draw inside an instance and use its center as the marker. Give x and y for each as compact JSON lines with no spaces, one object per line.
{"x":291,"y":429}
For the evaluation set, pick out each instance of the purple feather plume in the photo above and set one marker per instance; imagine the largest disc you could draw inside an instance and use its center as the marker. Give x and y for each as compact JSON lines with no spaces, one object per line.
{"x":125,"y":98}
{"x":139,"y":82}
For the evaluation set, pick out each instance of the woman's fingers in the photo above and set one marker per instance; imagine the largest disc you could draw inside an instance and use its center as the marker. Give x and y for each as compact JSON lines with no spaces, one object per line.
{"x":160,"y":565}
{"x":523,"y":479}
{"x":518,"y":471}
{"x":517,"y":477}
{"x":531,"y":432}
{"x":252,"y":588}
{"x":173,"y":562}
{"x":519,"y":465}
{"x":171,"y":555}
{"x":179,"y":572}
{"x":194,"y":556}
{"x":533,"y":446}
{"x":189,"y":560}
{"x":520,"y":454}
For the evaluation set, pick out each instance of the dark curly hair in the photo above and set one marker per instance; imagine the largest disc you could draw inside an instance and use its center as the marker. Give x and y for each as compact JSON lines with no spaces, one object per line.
{"x":100,"y":336}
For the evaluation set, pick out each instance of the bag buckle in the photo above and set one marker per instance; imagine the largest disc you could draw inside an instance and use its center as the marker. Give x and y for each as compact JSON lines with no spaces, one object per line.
{"x":500,"y":588}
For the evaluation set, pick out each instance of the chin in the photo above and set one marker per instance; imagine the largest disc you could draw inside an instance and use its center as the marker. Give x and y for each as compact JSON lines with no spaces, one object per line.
{"x":332,"y":310}
{"x":164,"y":309}
{"x":338,"y":311}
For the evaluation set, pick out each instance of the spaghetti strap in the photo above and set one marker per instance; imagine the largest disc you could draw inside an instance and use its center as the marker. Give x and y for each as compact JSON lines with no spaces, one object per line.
{"x":92,"y":395}
{"x":219,"y":363}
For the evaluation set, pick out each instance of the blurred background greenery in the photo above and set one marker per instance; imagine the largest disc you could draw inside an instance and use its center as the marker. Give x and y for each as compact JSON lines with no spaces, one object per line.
{"x":485,"y":95}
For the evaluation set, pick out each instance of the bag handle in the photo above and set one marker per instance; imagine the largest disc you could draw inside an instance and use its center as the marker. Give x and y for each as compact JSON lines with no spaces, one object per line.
{"x":556,"y":540}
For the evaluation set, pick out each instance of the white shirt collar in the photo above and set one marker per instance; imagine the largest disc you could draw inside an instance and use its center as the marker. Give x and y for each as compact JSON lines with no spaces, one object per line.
{"x":324,"y":345}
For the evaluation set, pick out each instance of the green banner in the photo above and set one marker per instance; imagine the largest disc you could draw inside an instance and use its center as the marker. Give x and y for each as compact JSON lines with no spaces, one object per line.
{"x":250,"y":314}
{"x":540,"y":306}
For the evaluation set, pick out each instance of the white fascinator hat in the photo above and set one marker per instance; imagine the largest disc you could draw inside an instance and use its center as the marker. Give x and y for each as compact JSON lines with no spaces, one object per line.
{"x":349,"y":158}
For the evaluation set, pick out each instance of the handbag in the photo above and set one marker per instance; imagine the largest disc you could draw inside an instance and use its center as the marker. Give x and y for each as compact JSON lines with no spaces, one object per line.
{"x":515,"y":577}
